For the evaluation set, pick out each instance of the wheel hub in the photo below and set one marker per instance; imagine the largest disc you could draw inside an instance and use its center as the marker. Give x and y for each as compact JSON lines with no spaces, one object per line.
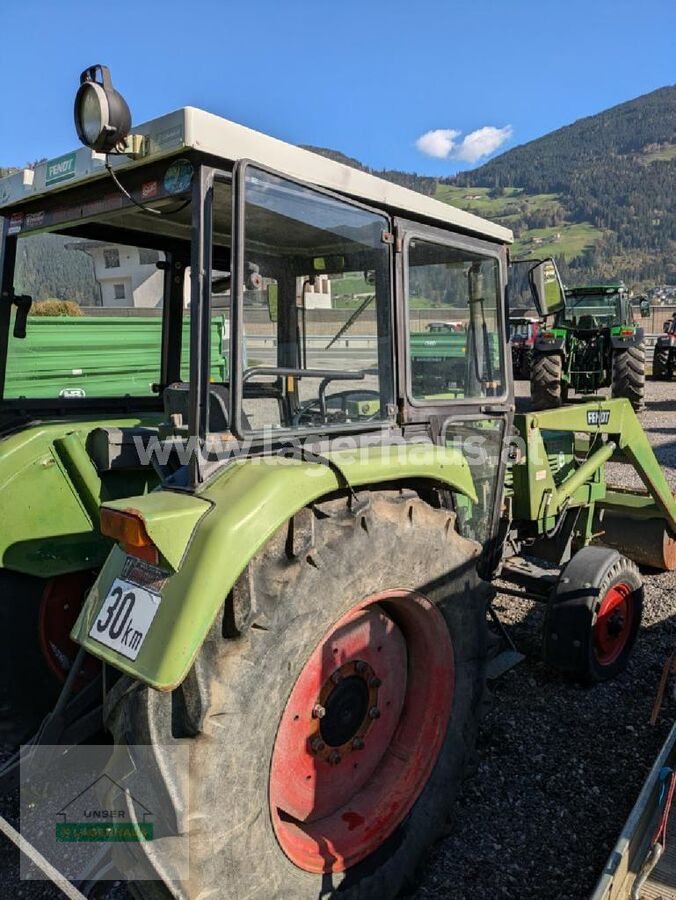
{"x":346,"y":707}
{"x":612,"y":628}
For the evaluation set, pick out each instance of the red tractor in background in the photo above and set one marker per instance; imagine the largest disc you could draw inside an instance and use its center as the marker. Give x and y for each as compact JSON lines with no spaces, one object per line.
{"x":664,"y":358}
{"x":523,"y":330}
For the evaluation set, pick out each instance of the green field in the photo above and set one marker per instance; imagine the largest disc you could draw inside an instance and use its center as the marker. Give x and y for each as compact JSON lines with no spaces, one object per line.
{"x":512,"y":204}
{"x":572,"y":240}
{"x":512,"y":207}
{"x":664,"y":154}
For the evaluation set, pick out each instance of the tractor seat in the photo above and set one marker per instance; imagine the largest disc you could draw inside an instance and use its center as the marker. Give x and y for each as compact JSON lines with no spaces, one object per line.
{"x":587,"y":323}
{"x":176,"y":398}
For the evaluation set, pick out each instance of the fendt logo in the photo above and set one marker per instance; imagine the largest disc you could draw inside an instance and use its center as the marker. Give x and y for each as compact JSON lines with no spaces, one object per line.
{"x":60,"y":169}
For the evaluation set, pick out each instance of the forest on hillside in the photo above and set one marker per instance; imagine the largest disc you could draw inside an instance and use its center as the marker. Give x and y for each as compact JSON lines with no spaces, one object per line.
{"x":615,"y":170}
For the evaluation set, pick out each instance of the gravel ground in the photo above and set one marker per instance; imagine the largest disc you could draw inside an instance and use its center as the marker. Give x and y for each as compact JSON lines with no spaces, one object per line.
{"x":558,"y":766}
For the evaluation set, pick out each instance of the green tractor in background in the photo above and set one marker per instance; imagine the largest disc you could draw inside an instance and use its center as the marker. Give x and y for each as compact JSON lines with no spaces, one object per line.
{"x":594,"y":343}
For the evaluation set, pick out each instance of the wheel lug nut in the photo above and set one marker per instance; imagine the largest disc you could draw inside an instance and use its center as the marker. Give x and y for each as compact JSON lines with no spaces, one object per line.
{"x":336,"y":677}
{"x":334,"y":757}
{"x":357,"y":744}
{"x":360,"y":666}
{"x":374,"y":713}
{"x":317,"y":744}
{"x":375,"y":682}
{"x":318,"y":711}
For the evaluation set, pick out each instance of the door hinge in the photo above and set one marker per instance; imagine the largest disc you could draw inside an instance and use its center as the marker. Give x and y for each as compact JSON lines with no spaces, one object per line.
{"x":391,"y":237}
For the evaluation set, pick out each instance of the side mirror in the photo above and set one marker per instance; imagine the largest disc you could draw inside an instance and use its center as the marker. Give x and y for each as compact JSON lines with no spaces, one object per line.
{"x":549,"y":295}
{"x":644,"y":306}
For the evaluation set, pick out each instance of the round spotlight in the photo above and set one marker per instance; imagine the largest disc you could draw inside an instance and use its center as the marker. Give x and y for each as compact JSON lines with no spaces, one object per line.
{"x":102,"y":117}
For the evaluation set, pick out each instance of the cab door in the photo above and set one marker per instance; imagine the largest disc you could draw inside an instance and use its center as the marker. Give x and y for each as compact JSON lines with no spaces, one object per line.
{"x":456,"y":382}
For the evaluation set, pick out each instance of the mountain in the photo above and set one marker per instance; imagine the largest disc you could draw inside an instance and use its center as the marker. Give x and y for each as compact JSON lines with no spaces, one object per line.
{"x":598,"y":195}
{"x":615,"y":173}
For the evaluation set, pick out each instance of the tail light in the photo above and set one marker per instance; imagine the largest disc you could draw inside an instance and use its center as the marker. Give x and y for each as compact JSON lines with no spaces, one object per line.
{"x":626,"y":332}
{"x":548,"y":335}
{"x":129,"y":530}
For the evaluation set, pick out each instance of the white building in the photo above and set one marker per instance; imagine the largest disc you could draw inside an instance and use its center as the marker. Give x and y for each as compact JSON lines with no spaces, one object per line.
{"x":127,"y":276}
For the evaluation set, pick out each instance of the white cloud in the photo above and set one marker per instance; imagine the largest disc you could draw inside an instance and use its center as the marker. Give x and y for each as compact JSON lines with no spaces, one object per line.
{"x":482,"y":142}
{"x":441,"y":143}
{"x":438,"y":143}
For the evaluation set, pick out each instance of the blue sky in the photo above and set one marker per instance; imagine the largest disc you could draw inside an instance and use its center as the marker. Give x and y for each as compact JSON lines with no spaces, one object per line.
{"x":367,"y":77}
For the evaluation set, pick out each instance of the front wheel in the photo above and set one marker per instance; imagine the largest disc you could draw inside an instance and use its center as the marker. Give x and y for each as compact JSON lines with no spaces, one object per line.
{"x":593,"y":617}
{"x":332,"y":734}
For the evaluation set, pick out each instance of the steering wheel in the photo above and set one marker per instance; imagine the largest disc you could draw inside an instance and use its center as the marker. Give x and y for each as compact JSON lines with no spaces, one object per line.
{"x":334,"y":408}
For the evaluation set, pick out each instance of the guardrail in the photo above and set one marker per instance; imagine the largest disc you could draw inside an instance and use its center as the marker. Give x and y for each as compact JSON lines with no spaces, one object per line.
{"x":366,"y":341}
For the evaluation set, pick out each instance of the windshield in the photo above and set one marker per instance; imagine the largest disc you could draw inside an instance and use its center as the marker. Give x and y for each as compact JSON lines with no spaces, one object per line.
{"x":520,"y":329}
{"x":591,"y":310}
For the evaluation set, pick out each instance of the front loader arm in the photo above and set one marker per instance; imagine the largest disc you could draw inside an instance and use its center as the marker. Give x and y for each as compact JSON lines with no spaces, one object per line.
{"x":536,"y":488}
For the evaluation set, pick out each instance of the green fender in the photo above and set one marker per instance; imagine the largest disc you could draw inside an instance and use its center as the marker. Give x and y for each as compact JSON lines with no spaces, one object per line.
{"x":207,"y":540}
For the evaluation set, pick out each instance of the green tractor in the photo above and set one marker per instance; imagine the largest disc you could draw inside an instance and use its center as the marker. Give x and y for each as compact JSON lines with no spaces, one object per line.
{"x":593,"y":343}
{"x":271,"y":582}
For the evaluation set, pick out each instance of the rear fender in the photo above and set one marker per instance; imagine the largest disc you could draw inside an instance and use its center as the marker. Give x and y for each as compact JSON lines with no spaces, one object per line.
{"x":617,"y":342}
{"x":224,"y":527}
{"x":553,"y":345}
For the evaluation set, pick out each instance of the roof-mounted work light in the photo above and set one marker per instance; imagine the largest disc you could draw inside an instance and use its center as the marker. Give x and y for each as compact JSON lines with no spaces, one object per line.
{"x":102,"y":117}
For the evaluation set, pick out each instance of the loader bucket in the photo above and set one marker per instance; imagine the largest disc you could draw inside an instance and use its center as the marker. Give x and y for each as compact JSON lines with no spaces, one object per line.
{"x":647,"y":541}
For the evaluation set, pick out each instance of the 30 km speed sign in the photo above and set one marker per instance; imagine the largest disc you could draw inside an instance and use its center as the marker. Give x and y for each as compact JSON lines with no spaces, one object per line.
{"x":125,"y":618}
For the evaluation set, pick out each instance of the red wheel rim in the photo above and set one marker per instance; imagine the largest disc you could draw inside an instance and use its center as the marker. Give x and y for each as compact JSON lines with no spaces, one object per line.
{"x":361,"y":731}
{"x":60,"y":606}
{"x":613,"y":624}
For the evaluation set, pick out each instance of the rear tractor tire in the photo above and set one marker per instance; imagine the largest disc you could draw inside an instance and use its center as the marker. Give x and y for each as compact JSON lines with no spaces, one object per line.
{"x":662,"y":371}
{"x":328,"y":740}
{"x":628,"y":375}
{"x":36,"y":616}
{"x":546,"y":386}
{"x":594,"y":615}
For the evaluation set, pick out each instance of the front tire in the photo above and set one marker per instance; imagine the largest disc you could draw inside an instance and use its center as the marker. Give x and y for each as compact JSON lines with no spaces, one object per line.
{"x":546,"y":376}
{"x":593,"y":617}
{"x":277,"y":800}
{"x":628,"y":374}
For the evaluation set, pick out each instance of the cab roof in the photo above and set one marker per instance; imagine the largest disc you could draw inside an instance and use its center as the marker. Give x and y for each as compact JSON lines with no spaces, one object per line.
{"x":609,"y":288}
{"x":194,"y":129}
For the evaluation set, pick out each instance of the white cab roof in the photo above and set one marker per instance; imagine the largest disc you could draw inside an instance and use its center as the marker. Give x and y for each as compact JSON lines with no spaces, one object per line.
{"x":194,"y":128}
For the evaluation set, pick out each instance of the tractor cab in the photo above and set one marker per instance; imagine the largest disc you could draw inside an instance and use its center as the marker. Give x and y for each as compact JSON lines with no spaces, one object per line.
{"x":595,"y":307}
{"x":187,"y":292}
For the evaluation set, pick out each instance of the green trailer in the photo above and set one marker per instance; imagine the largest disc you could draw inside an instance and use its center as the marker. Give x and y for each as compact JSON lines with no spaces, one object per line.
{"x":105,"y":356}
{"x":285,"y":573}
